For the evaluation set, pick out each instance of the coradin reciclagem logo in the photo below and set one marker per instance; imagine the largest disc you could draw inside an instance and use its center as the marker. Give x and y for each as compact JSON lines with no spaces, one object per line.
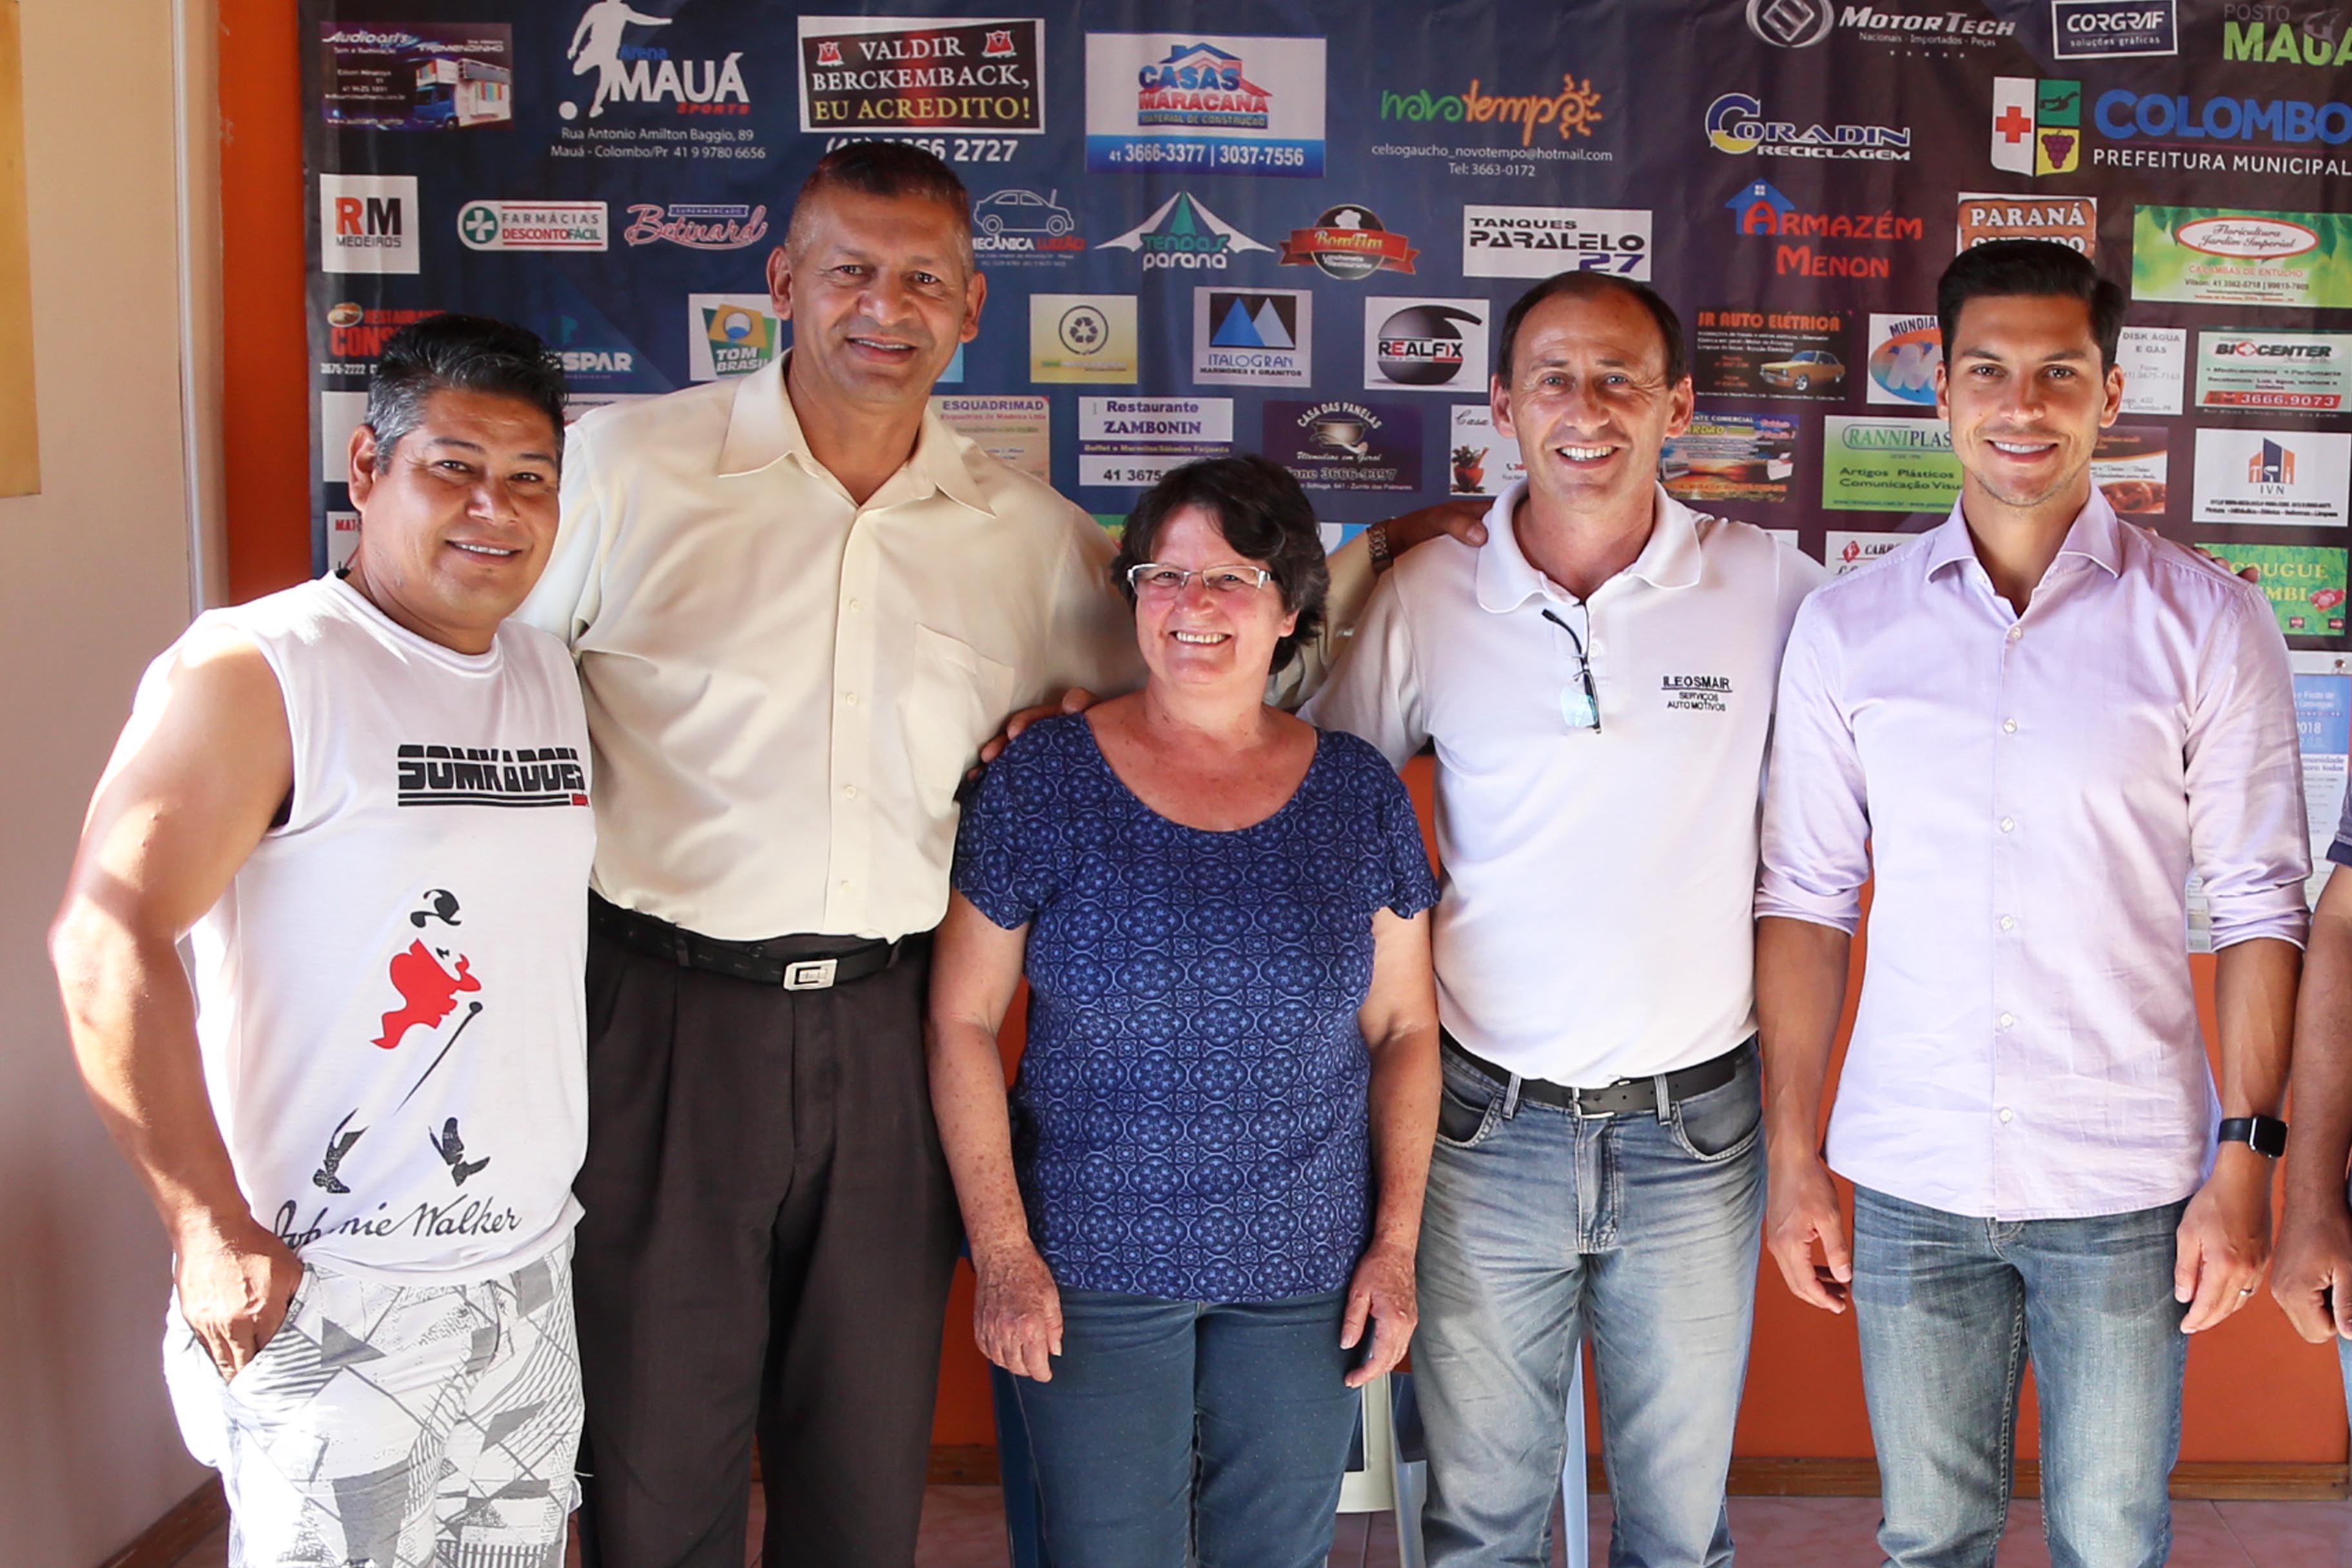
{"x":1183,"y":231}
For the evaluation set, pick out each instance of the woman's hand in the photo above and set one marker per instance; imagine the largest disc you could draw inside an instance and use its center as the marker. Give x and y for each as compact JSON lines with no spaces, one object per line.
{"x":1381,"y":1290}
{"x":1016,"y":1316}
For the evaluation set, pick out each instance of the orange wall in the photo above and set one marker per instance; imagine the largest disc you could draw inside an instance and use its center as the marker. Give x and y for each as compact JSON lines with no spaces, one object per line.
{"x":2255,"y":1391}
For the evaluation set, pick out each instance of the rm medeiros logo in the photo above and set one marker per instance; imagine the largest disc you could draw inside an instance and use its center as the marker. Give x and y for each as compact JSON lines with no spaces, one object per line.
{"x":1736,"y":123}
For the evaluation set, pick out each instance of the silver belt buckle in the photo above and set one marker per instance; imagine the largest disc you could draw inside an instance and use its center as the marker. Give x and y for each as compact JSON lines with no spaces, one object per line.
{"x":809,"y":974}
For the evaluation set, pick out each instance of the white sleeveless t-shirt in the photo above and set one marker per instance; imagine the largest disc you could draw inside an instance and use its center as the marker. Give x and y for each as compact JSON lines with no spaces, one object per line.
{"x":389,"y":994}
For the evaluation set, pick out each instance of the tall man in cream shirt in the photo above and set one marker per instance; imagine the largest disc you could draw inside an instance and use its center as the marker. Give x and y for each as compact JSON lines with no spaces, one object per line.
{"x":1598,"y":682}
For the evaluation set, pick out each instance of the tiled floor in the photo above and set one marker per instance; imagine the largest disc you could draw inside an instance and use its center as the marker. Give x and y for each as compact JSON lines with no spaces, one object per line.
{"x":964,"y":1527}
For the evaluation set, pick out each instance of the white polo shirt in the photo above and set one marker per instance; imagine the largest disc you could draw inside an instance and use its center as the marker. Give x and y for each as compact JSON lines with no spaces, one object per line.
{"x":1597,"y":922}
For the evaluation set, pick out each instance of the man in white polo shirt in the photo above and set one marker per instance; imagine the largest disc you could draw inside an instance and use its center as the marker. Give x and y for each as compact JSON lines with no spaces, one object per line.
{"x":1597,"y":680}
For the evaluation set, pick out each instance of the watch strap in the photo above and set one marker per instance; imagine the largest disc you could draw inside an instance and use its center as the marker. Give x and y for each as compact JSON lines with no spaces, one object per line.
{"x":1376,"y":541}
{"x":2263,"y":1135}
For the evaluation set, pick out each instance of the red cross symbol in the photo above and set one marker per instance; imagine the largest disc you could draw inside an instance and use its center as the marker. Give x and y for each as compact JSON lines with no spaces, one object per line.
{"x":2013,"y":125}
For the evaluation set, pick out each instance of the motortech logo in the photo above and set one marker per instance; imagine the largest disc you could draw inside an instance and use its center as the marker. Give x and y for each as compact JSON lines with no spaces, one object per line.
{"x":1735,"y":124}
{"x":1183,"y":231}
{"x":1536,"y":242}
{"x":1791,"y":23}
{"x":912,"y":73}
{"x":697,"y":226}
{"x":531,"y":225}
{"x":644,"y":73}
{"x":1801,"y":23}
{"x":1426,"y":345}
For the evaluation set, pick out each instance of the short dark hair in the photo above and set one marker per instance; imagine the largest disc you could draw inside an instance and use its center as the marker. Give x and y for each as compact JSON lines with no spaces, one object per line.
{"x":460,"y":354}
{"x":2001,"y":267}
{"x":886,"y":169}
{"x":1591,"y":285}
{"x":1262,"y":514}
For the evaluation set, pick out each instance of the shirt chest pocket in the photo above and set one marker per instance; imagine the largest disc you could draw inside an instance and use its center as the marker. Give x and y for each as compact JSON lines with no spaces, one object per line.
{"x":955,"y":699}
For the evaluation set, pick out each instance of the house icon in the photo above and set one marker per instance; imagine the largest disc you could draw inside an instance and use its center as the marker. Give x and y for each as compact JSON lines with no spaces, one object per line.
{"x":1759,"y":208}
{"x":1203,"y":66}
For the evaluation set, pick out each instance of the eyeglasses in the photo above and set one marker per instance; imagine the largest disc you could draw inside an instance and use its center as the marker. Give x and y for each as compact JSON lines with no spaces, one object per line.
{"x":1160,"y":580}
{"x":1579,"y":704}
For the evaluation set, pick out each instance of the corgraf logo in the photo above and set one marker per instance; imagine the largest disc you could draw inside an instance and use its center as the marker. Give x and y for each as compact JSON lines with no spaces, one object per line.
{"x":1536,"y":242}
{"x":1573,"y":111}
{"x":1791,"y":23}
{"x":2246,"y":238}
{"x":531,"y":225}
{"x":641,"y":73}
{"x":2113,"y":29}
{"x":1183,"y":231}
{"x":2262,"y":34}
{"x":1199,"y":87}
{"x":2037,"y":126}
{"x":2124,"y":114}
{"x":1348,"y":243}
{"x":1735,"y":124}
{"x":697,"y":227}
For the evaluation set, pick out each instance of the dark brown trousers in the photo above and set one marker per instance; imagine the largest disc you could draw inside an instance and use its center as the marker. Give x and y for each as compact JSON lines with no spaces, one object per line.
{"x":769,"y":1237}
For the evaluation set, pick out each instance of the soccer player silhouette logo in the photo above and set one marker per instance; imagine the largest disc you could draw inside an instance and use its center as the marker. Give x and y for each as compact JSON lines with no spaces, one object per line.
{"x":596,"y":45}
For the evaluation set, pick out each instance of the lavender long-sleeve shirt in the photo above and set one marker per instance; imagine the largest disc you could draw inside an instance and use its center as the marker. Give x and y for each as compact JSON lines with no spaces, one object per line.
{"x":2031,"y":793}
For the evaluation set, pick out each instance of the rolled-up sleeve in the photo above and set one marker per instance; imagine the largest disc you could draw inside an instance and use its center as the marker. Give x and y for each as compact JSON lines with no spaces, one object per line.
{"x":2247,"y":833}
{"x":1816,"y":837}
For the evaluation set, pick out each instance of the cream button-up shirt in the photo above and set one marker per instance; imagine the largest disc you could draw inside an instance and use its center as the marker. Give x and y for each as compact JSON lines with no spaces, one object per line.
{"x":784,"y":689}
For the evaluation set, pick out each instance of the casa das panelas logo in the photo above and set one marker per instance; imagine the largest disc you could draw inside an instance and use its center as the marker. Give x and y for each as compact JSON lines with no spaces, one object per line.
{"x":1184,"y":233}
{"x":1572,"y":111}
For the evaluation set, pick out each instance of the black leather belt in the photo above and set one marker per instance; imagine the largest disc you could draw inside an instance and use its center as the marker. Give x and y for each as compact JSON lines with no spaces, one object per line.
{"x":1626,"y":1096}
{"x":794,"y":963}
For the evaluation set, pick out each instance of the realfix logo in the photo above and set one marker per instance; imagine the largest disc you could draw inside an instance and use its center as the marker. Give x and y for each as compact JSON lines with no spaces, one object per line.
{"x":1426,"y":345}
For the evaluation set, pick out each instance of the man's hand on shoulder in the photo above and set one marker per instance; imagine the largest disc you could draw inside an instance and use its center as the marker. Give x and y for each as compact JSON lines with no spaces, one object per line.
{"x":1077,"y":699}
{"x":1462,"y":520}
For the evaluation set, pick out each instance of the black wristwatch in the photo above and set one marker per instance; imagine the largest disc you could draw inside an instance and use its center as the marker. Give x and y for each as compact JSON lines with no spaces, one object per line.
{"x":2263,"y":1135}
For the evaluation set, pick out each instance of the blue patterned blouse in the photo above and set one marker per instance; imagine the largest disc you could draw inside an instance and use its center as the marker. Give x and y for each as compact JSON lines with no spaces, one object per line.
{"x":1190,"y":1119}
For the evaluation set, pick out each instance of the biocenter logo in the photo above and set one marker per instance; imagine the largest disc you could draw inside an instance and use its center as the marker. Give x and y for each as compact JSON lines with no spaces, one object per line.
{"x":1736,"y":124}
{"x":1570,"y":112}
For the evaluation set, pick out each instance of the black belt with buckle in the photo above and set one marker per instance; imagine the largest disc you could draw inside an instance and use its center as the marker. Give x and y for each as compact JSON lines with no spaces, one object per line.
{"x":793,"y":962}
{"x":1626,"y":1096}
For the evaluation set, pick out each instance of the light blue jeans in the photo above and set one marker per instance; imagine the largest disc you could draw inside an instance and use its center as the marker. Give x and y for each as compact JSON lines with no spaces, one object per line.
{"x":1950,"y":1309}
{"x":1541,"y":1227}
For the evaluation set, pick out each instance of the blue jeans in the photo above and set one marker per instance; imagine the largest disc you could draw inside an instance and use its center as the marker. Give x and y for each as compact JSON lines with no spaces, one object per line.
{"x":1542,"y":1227}
{"x":1951,"y":1308}
{"x":1220,"y":1427}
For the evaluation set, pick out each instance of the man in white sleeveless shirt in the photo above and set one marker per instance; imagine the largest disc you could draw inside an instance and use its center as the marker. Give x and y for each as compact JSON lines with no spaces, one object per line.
{"x":366,"y":802}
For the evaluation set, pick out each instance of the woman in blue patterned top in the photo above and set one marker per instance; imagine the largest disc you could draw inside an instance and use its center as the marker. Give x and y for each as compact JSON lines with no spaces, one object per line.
{"x":1209,"y":1184}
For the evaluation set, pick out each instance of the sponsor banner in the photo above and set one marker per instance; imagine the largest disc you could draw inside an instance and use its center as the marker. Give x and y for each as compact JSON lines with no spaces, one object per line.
{"x":343,"y":538}
{"x":2128,"y":465}
{"x":730,"y":335}
{"x":1426,"y":345}
{"x":1348,"y":243}
{"x":1839,"y":242}
{"x":641,"y":86}
{"x":1530,"y":126}
{"x":697,"y":226}
{"x":598,"y":362}
{"x":1085,"y":338}
{"x":864,"y":74}
{"x":2267,"y":35}
{"x":1204,"y":104}
{"x":356,"y":335}
{"x":531,"y":225}
{"x":575,"y":403}
{"x":367,"y":223}
{"x":2304,"y":583}
{"x":2323,"y":723}
{"x":2072,"y":221}
{"x":1903,"y":354}
{"x":2295,"y":478}
{"x":1345,"y":444}
{"x":1737,"y":123}
{"x":1849,"y":551}
{"x":2229,"y":255}
{"x":1484,"y":461}
{"x":340,"y":413}
{"x":1019,"y":228}
{"x":416,"y":76}
{"x":1182,"y":233}
{"x":1887,"y":465}
{"x":2155,"y":363}
{"x":2113,"y":29}
{"x":1536,"y":242}
{"x":1134,"y":441}
{"x":1773,"y":354}
{"x":1734,"y":457}
{"x":1017,"y":431}
{"x":2037,"y":126}
{"x":1246,"y":337}
{"x":2298,"y":372}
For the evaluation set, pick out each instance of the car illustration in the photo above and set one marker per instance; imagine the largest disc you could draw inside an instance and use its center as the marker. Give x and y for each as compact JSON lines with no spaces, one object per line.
{"x":1022,"y":212}
{"x":1803,"y":371}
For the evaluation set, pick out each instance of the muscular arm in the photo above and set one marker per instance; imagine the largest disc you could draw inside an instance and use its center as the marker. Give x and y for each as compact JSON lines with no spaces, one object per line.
{"x":2314,"y":1278}
{"x":1800,"y":974}
{"x":2224,"y":1242}
{"x":976,"y":968}
{"x":195,"y":779}
{"x":1398,"y":1020}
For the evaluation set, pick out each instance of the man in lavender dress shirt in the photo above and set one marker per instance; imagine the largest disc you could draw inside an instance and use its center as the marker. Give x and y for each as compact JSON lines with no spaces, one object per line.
{"x":2030,"y":725}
